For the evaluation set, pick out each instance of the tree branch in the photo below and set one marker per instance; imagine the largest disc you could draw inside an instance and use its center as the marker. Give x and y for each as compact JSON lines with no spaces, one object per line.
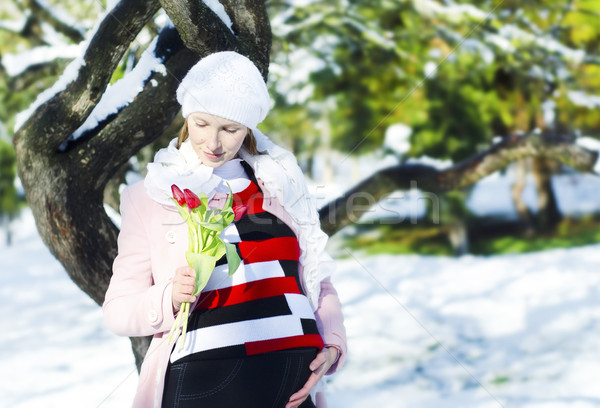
{"x":42,"y":13}
{"x":118,"y":29}
{"x":200,"y":29}
{"x":350,"y":206}
{"x":253,"y":29}
{"x":203,"y":32}
{"x":140,"y":122}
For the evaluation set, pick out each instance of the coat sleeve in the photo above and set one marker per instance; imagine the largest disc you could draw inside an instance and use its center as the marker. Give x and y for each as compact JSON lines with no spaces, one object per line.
{"x":134,"y":304}
{"x":330,"y":322}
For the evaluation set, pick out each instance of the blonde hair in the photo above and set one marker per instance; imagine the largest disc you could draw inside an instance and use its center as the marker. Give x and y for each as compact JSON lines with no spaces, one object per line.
{"x":249,"y":142}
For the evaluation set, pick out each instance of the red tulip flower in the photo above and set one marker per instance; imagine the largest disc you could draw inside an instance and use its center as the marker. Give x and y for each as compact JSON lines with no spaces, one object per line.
{"x":178,"y":194}
{"x":191,"y":199}
{"x":239,"y":211}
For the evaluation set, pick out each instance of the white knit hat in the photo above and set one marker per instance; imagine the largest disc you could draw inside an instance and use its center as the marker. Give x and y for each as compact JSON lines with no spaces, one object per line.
{"x":228,"y":85}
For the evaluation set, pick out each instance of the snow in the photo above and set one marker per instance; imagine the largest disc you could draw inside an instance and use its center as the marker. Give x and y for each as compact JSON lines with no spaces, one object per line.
{"x":68,"y":76}
{"x":430,"y":332}
{"x":582,"y":98}
{"x":430,"y":69}
{"x":14,"y":25}
{"x":124,"y":91}
{"x":455,"y":13}
{"x":593,"y":145}
{"x":295,"y":69}
{"x":219,"y":10}
{"x":397,"y":138}
{"x":60,"y":15}
{"x":516,"y":35}
{"x":15,"y":64}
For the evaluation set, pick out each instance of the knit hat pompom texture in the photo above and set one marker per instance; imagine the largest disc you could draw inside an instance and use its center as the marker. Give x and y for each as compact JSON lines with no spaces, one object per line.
{"x":228,"y":85}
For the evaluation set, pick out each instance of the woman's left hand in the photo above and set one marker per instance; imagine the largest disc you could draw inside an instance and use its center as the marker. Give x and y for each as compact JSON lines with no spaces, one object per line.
{"x":319,"y":367}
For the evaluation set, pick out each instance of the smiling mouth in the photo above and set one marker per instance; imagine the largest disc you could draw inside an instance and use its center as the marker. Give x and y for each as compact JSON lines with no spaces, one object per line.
{"x":213,"y":156}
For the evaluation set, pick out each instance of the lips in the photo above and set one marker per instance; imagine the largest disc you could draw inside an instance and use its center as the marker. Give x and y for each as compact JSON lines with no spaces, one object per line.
{"x":213,"y":156}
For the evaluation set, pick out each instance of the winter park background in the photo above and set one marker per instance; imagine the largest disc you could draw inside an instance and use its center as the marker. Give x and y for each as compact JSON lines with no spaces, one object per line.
{"x":361,"y":87}
{"x":427,"y":332}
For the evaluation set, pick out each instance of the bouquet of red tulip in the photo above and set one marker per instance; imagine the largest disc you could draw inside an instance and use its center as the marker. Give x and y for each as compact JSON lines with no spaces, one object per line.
{"x":205,"y":245}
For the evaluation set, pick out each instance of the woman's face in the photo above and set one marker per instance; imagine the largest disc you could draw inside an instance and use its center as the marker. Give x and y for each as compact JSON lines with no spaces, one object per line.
{"x":214,"y":139}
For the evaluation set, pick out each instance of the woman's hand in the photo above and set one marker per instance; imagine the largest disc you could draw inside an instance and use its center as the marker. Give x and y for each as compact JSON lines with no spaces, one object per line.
{"x":183,"y":286}
{"x":319,"y":367}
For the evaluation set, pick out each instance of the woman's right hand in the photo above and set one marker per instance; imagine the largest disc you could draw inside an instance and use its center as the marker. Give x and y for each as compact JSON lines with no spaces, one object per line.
{"x":183,"y":286}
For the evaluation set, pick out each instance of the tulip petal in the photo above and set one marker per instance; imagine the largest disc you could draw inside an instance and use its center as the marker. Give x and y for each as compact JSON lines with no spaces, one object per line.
{"x":178,"y":195}
{"x":239,"y":211}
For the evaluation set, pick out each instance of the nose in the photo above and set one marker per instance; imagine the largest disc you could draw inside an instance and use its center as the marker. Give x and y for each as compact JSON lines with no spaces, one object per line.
{"x":212,"y":140}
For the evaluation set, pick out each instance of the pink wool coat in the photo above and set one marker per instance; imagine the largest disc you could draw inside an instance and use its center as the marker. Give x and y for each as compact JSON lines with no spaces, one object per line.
{"x":151,"y":246}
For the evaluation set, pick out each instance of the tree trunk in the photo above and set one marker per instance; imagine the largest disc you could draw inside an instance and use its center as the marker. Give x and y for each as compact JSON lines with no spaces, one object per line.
{"x":548,"y":214}
{"x":516,"y":192}
{"x":64,"y":180}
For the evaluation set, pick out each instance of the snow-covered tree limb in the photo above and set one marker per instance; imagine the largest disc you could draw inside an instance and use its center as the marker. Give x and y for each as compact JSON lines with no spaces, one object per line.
{"x":143,"y":120}
{"x":73,"y":105}
{"x":347,"y":208}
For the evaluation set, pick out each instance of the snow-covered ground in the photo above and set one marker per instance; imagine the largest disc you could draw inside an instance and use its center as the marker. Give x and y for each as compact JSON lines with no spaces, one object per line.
{"x":502,"y":331}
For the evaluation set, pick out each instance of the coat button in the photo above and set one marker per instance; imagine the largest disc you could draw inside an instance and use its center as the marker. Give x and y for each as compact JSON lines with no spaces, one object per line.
{"x":170,"y":237}
{"x":152,"y":316}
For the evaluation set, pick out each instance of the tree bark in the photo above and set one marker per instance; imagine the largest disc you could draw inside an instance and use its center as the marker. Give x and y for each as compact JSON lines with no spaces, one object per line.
{"x":203,"y":32}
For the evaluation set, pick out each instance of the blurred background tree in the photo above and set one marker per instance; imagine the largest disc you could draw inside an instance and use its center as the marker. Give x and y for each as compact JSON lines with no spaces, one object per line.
{"x":459,"y":74}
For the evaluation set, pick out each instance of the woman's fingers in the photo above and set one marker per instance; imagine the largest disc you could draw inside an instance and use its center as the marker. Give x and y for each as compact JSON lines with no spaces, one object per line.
{"x":319,"y":367}
{"x":300,"y":396}
{"x":183,"y":286}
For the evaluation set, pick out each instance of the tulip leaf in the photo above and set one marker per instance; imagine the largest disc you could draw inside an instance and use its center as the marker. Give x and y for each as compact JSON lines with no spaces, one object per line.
{"x":233,"y":259}
{"x":213,"y":226}
{"x":203,"y":265}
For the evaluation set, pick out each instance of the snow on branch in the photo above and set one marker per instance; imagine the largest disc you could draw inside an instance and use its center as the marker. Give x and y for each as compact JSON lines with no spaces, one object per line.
{"x":69,"y":75}
{"x":124,"y":91}
{"x":13,"y":26}
{"x":74,"y":95}
{"x":219,"y":10}
{"x":58,"y":19}
{"x":456,"y":13}
{"x":16,"y":64}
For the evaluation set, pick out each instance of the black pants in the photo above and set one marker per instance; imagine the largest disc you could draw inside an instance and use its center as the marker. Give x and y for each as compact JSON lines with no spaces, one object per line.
{"x":261,"y":381}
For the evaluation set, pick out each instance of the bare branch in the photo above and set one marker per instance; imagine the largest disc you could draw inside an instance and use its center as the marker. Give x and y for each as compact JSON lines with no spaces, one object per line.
{"x":339,"y":213}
